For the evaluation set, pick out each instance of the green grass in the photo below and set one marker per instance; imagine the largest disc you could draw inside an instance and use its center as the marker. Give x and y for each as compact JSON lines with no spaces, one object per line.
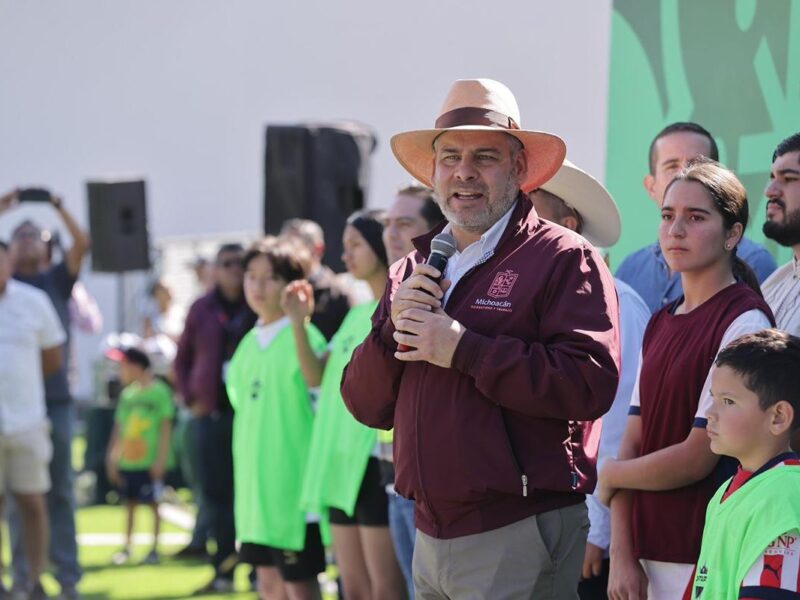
{"x":169,"y":580}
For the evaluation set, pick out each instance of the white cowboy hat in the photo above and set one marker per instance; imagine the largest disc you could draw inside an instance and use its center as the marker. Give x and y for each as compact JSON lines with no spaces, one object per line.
{"x":599,"y":212}
{"x":480,"y":105}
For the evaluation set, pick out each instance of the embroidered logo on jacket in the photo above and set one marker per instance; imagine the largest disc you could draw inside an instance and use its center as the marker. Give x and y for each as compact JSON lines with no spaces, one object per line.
{"x":503,"y":284}
{"x":500,"y":289}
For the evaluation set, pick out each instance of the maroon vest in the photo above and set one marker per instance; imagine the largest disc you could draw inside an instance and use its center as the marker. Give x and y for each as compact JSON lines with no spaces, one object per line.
{"x":677,"y":354}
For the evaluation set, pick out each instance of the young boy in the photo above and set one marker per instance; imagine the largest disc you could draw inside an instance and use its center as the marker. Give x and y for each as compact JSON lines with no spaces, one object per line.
{"x":272,"y":425}
{"x":751,"y":540}
{"x":139,"y":446}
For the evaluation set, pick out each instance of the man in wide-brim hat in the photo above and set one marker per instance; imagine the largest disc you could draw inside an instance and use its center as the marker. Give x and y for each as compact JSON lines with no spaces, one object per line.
{"x":503,"y":368}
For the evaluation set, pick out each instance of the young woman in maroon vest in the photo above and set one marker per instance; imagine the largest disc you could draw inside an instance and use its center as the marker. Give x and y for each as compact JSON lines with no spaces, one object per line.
{"x":665,"y":471}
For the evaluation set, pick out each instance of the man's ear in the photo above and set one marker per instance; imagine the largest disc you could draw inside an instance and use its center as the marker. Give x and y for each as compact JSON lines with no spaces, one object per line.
{"x":782,"y":417}
{"x":649,"y":183}
{"x":569,"y":222}
{"x":521,"y":164}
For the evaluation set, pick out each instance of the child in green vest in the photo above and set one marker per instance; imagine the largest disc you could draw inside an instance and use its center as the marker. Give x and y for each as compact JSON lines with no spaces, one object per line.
{"x":751,"y":540}
{"x":343,"y":475}
{"x":139,"y":447}
{"x":272,"y":424}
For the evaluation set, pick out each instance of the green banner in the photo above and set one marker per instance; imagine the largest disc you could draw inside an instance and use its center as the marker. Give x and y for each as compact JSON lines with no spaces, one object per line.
{"x":731,"y":65}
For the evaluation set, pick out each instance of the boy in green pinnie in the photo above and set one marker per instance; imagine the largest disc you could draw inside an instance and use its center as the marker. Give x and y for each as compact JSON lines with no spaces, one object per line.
{"x":272,"y":424}
{"x":751,"y":540}
{"x":139,"y":447}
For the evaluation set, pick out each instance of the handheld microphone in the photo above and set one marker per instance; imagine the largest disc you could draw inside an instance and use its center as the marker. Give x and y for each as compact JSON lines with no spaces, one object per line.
{"x":443,"y":246}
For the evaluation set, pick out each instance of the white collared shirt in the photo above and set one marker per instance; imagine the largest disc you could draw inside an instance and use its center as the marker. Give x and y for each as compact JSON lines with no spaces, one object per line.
{"x":28,"y":325}
{"x":476,"y":253}
{"x":782,"y":292}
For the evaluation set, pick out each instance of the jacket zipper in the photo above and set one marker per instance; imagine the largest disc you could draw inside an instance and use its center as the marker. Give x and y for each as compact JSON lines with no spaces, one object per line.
{"x":523,"y":477}
{"x":572,"y":427}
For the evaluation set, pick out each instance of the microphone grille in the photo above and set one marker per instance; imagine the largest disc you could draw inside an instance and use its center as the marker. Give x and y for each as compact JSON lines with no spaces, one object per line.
{"x":444,"y":244}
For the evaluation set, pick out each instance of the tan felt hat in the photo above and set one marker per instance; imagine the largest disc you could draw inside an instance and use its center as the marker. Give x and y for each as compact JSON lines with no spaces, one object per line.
{"x":480,"y":105}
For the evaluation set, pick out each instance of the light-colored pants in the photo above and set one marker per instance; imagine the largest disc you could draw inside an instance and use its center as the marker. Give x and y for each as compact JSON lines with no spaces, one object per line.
{"x":537,"y":558}
{"x":666,"y":580}
{"x":60,"y":506}
{"x":24,"y":457}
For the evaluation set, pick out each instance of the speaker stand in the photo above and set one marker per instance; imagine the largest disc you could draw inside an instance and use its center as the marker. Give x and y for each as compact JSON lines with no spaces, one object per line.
{"x":121,"y":302}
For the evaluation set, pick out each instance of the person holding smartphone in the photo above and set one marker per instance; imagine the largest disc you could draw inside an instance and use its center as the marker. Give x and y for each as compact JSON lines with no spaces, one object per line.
{"x":33,"y":263}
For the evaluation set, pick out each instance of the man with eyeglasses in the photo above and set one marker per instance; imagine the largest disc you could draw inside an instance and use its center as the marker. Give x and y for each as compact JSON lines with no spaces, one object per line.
{"x":33,"y":262}
{"x":214,"y":326}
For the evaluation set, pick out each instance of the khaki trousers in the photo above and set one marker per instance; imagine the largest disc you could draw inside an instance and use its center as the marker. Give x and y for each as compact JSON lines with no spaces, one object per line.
{"x":538,"y":558}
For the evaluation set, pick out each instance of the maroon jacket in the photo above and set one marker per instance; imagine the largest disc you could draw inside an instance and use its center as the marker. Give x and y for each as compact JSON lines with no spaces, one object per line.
{"x":538,"y":362}
{"x":209,"y":338}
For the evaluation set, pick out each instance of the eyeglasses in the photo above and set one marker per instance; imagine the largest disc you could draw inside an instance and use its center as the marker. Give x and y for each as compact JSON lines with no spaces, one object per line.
{"x":31,"y":234}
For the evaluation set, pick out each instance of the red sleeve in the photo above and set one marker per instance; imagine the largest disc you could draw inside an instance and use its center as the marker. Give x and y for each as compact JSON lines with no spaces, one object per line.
{"x":371,"y":380}
{"x":182,"y":365}
{"x":572,"y":372}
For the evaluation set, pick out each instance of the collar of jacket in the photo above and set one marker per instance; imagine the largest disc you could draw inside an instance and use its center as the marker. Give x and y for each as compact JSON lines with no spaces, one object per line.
{"x":524,"y":217}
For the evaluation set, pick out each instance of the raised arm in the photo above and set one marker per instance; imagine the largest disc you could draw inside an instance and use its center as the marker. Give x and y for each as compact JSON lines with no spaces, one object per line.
{"x":297,"y":302}
{"x":80,"y":239}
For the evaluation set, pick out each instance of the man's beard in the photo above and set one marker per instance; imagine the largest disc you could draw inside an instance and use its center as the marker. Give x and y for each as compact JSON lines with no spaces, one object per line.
{"x":786,"y":233}
{"x":493,"y":212}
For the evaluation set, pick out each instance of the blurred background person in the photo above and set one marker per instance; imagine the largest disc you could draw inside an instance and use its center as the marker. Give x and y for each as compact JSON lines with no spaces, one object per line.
{"x":161,"y":316}
{"x":31,"y":348}
{"x":272,"y":431}
{"x":412,"y":213}
{"x":215,"y":325}
{"x":32,"y":259}
{"x":204,"y":273}
{"x":139,"y":448}
{"x":331,"y":298}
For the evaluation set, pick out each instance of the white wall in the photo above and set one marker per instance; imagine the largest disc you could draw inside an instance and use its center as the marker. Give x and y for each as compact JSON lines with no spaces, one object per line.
{"x":180,"y":91}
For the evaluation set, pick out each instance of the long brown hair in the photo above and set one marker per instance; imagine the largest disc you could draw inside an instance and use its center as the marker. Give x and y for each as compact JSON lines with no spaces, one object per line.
{"x":730,"y":199}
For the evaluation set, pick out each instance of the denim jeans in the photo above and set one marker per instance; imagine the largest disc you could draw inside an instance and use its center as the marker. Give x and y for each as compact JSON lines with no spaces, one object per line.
{"x":401,"y":525}
{"x":60,"y":507}
{"x":214,"y":450}
{"x":190,"y":467}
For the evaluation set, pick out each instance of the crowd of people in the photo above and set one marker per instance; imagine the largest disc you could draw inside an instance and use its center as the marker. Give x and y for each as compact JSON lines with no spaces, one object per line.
{"x":443,"y":439}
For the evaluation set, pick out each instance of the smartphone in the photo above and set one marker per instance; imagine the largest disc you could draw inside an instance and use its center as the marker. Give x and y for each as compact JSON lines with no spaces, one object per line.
{"x":34,"y":195}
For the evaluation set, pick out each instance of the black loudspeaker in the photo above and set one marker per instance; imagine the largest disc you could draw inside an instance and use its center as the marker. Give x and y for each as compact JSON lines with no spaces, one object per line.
{"x":118,"y":225}
{"x":317,"y":172}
